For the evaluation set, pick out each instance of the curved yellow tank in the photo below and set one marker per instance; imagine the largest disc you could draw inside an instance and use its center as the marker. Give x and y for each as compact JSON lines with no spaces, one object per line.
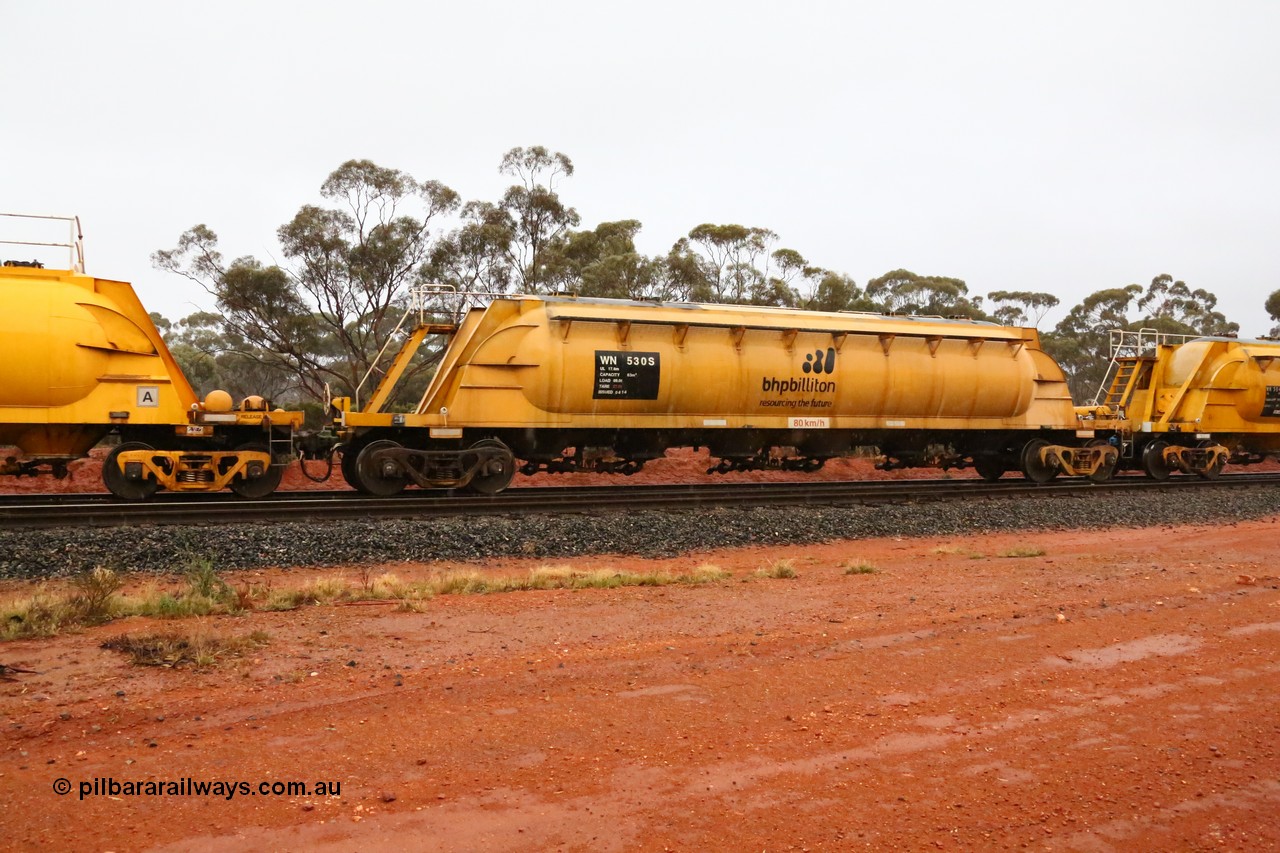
{"x":558,"y":380}
{"x":81,"y":355}
{"x":1190,"y":405}
{"x":1220,"y":388}
{"x":1256,"y":375}
{"x":83,"y":359}
{"x":601,"y":363}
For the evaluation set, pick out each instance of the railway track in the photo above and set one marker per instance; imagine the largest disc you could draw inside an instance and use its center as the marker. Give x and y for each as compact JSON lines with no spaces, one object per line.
{"x":101,"y":510}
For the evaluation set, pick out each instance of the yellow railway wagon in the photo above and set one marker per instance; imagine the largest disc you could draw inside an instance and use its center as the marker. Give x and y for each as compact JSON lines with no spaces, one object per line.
{"x":83,"y":360}
{"x":1190,"y":405}
{"x":595,"y":384}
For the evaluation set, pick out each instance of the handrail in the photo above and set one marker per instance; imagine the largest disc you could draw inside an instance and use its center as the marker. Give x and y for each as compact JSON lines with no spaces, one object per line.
{"x":1136,"y":343}
{"x":75,"y":243}
{"x":1142,"y":343}
{"x":419,"y":296}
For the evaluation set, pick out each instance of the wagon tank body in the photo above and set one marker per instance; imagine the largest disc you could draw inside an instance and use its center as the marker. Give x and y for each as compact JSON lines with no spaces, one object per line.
{"x":83,"y":359}
{"x":621,"y":381}
{"x":1190,"y":404}
{"x":75,"y":355}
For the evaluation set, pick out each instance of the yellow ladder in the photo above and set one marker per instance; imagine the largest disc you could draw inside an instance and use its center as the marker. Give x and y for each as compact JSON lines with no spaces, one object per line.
{"x":1127,"y":370}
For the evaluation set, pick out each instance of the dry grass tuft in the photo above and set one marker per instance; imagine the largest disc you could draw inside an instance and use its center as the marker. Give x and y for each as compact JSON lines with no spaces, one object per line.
{"x":1022,"y":551}
{"x":196,"y":648}
{"x":95,"y":597}
{"x":324,"y":590}
{"x":784,"y":568}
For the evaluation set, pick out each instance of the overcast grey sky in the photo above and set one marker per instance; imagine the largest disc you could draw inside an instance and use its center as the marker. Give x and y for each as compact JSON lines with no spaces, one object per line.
{"x":1062,"y":147}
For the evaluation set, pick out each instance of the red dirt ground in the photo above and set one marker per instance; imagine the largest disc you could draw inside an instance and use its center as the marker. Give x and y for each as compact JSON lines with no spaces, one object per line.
{"x":1116,"y":692}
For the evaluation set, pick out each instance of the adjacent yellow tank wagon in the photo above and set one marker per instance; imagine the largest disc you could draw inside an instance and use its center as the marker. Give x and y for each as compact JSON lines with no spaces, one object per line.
{"x":574,"y":384}
{"x":1177,"y":403}
{"x":83,"y":360}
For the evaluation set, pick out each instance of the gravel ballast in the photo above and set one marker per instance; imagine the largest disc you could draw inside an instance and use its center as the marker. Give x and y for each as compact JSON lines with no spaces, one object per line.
{"x":60,"y":552}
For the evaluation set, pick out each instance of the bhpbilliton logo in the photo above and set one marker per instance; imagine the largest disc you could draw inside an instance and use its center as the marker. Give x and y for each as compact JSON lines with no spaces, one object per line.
{"x":817,"y":362}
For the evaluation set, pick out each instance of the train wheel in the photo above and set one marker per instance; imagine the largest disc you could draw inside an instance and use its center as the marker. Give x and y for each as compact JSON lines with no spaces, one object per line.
{"x":371,"y":477}
{"x":500,"y":473}
{"x":1105,"y":471}
{"x":1036,"y":470}
{"x":1153,"y":460}
{"x":255,"y":488}
{"x":118,"y":484}
{"x":348,"y":466}
{"x":989,"y":467}
{"x":1212,"y":472}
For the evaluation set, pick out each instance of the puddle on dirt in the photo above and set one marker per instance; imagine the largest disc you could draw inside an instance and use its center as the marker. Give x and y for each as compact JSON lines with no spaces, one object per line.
{"x":1160,"y":645}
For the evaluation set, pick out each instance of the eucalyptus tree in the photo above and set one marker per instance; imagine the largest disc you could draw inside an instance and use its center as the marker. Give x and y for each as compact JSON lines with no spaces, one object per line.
{"x":603,"y":261}
{"x":475,"y":257}
{"x":538,"y":219}
{"x":512,"y":245}
{"x":904,"y":292}
{"x":1171,"y":306}
{"x":1021,"y":307}
{"x":837,"y":292}
{"x":732,"y":260}
{"x":1081,"y":342}
{"x":323,"y":318}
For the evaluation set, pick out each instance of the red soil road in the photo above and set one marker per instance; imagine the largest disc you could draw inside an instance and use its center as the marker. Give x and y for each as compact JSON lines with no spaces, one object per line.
{"x":1115,"y":693}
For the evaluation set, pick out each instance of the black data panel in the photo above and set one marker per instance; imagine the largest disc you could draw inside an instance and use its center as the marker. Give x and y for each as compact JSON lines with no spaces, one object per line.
{"x":1271,"y":405}
{"x":624,"y":375}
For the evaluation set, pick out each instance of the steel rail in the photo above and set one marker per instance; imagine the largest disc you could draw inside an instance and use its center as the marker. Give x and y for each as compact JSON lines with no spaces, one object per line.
{"x":94,"y":510}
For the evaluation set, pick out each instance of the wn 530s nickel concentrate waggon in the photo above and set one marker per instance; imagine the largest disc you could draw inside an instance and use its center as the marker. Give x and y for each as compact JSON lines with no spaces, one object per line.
{"x":83,"y":360}
{"x":570,"y":384}
{"x":543,"y":383}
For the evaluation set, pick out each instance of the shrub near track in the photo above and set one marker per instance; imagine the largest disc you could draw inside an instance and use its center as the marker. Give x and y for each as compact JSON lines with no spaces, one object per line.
{"x":95,"y":597}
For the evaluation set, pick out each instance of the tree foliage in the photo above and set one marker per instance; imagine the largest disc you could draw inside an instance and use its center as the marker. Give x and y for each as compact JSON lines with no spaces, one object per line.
{"x":838,"y":292}
{"x":732,"y":260}
{"x":537,"y":218}
{"x":904,"y":292}
{"x":1173,"y":307}
{"x":211,"y":357}
{"x":474,"y":258}
{"x":604,"y":262}
{"x":322,"y":320}
{"x":514,"y":245}
{"x":1081,"y":342}
{"x":1021,"y":307}
{"x":1272,"y":306}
